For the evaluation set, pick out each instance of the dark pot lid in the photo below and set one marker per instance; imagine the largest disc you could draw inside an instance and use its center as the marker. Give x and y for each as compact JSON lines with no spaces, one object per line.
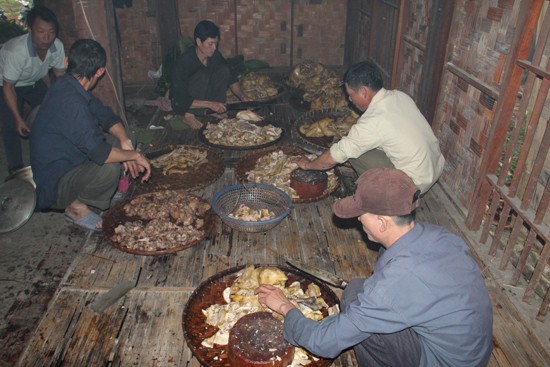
{"x":17,"y":203}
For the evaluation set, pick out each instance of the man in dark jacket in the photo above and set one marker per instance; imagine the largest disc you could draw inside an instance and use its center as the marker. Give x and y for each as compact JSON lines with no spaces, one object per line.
{"x":201,"y":76}
{"x":74,"y":167}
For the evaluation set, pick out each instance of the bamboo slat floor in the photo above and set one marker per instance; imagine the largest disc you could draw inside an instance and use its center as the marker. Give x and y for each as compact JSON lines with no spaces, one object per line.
{"x":143,"y":328}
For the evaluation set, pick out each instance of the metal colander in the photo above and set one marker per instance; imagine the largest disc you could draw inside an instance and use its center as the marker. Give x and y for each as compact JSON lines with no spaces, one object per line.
{"x":255,"y":196}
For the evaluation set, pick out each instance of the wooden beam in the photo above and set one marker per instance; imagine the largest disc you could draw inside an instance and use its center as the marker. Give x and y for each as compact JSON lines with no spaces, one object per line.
{"x":434,"y":56}
{"x":95,"y":20}
{"x":168,"y":24}
{"x":473,"y":81}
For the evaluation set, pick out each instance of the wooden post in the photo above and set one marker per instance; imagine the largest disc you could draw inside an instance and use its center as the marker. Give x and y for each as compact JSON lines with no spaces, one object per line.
{"x":95,"y":20}
{"x":168,"y":24}
{"x":434,"y":57}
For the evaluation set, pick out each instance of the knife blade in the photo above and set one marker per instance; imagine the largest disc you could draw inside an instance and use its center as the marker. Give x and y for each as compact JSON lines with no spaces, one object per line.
{"x":202,"y":112}
{"x":242,"y":105}
{"x":323,"y":275}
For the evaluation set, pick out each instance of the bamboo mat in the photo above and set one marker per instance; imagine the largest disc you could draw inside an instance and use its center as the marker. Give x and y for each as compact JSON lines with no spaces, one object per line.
{"x":144,"y":327}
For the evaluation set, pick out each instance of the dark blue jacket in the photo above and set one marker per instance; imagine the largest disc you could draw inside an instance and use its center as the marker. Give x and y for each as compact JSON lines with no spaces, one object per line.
{"x":68,"y":131}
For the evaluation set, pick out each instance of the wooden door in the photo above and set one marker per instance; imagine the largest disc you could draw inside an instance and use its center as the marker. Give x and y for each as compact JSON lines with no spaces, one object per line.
{"x":372,"y":32}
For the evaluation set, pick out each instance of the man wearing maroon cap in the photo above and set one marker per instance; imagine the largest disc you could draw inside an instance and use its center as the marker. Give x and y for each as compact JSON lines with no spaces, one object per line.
{"x":425,"y":304}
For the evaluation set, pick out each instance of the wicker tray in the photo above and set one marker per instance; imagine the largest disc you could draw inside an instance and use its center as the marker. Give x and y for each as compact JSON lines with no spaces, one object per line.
{"x":195,"y":328}
{"x":195,"y":178}
{"x":116,"y":216}
{"x":323,"y":142}
{"x":248,"y":162}
{"x":204,"y":140}
{"x":281,"y":90}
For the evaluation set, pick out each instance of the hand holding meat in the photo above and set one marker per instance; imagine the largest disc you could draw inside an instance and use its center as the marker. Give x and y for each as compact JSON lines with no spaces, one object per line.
{"x":274,"y":298}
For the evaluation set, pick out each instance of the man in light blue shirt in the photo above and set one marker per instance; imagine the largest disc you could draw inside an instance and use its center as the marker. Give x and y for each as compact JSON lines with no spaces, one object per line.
{"x":24,"y":61}
{"x":425,"y":304}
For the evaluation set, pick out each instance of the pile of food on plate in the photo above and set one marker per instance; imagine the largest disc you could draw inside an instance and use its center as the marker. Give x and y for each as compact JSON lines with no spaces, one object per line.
{"x":161,"y":220}
{"x":336,"y":127}
{"x":322,"y":87}
{"x":241,"y":131}
{"x":179,"y":160}
{"x":275,"y":169}
{"x":240,"y":300}
{"x":259,"y":87}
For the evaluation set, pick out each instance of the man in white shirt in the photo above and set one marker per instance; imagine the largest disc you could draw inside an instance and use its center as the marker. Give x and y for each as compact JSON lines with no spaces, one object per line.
{"x":391,"y":133}
{"x":24,"y":61}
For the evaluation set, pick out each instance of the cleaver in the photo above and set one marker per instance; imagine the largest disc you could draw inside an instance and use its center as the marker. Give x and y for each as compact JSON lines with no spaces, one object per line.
{"x":248,"y":105}
{"x":323,"y":275}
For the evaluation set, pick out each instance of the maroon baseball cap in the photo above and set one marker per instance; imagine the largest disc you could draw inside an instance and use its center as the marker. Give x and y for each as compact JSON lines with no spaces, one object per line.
{"x":382,"y":191}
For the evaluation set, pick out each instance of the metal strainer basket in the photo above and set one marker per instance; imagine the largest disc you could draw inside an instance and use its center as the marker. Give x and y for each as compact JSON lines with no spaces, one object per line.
{"x":256,"y":196}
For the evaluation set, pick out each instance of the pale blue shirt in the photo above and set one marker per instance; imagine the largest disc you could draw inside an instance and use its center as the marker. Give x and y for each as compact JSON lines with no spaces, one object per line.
{"x":425,"y":281}
{"x":20,"y":65}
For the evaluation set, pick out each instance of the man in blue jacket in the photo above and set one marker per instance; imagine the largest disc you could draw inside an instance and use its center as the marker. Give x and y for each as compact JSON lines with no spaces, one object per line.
{"x":425,"y":304}
{"x":73,"y":165}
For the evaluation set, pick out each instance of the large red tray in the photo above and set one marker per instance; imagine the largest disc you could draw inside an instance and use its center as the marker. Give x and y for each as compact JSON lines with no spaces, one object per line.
{"x":195,"y":328}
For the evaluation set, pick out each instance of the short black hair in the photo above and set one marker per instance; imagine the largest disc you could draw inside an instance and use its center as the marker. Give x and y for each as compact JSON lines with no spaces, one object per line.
{"x":206,"y":29}
{"x":43,"y":13}
{"x":403,"y":220}
{"x":364,"y":73}
{"x":86,"y":56}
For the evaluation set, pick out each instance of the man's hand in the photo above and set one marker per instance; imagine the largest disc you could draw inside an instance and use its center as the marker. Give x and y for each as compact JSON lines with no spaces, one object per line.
{"x":217,"y":107}
{"x":274,"y":298}
{"x":321,"y":163}
{"x":22,"y":128}
{"x":302,"y":162}
{"x":133,"y":161}
{"x":141,"y":164}
{"x":129,"y":166}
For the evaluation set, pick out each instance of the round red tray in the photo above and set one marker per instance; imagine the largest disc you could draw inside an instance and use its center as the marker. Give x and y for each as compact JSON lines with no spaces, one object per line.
{"x":248,"y":162}
{"x":195,"y":178}
{"x":204,"y":140}
{"x":116,"y":216}
{"x":323,"y":142}
{"x":195,"y":328}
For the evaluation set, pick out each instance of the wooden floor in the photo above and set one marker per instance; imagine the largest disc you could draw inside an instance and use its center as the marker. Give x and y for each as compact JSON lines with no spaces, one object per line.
{"x":144,"y":327}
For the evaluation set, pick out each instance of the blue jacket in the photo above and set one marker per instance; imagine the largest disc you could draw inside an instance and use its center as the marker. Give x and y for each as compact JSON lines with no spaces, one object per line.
{"x":425,"y":281}
{"x":68,"y":131}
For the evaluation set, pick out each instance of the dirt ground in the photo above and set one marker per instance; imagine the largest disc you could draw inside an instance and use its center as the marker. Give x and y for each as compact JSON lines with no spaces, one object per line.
{"x":35,"y":258}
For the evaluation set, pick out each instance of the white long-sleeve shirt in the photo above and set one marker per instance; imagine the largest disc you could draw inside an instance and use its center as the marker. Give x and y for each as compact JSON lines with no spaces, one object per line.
{"x":394,"y":124}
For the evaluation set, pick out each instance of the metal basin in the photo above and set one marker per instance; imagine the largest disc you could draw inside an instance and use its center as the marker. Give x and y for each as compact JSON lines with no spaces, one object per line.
{"x":24,"y":174}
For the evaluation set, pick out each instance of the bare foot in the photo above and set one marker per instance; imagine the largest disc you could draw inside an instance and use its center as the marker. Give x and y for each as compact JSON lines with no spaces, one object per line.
{"x":77,"y":209}
{"x":192,"y":121}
